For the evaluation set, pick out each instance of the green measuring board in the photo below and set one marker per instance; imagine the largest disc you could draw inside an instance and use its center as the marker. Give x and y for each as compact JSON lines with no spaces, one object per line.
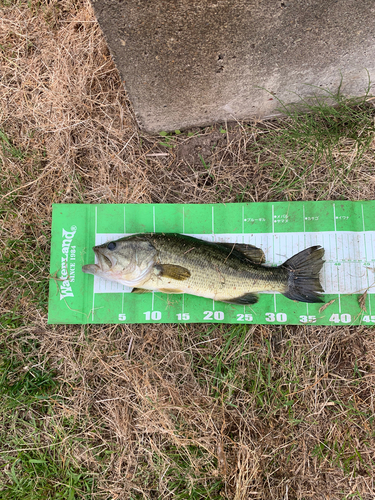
{"x":345,"y":229}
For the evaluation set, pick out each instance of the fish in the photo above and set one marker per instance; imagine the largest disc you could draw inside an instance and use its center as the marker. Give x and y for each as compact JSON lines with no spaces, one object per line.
{"x":225,"y":272}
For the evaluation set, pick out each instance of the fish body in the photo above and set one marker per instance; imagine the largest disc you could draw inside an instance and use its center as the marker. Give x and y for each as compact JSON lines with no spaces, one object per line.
{"x":174,"y":263}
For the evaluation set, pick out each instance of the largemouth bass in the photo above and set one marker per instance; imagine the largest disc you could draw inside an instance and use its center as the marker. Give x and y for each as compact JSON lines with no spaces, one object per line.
{"x":173,"y":263}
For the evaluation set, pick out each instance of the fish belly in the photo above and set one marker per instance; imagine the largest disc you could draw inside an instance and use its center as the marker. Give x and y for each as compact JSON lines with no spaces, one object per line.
{"x":216,"y":286}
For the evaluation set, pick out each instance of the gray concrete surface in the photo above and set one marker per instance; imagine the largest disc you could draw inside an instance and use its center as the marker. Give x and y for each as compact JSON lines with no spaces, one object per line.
{"x":195,"y":62}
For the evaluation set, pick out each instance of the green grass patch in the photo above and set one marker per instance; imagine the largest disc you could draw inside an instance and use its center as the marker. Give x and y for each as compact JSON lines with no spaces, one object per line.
{"x":234,"y":368}
{"x":9,"y":180}
{"x":9,"y":149}
{"x":24,"y":278}
{"x":343,"y":454}
{"x":34,"y":459}
{"x":322,"y":146}
{"x":189,"y":474}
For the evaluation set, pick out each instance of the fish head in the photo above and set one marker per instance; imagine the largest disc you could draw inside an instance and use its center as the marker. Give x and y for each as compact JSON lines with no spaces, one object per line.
{"x":128,"y":261}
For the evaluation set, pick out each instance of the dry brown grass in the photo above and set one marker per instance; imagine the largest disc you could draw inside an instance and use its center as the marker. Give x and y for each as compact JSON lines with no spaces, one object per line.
{"x":158,"y":411}
{"x":288,"y":415}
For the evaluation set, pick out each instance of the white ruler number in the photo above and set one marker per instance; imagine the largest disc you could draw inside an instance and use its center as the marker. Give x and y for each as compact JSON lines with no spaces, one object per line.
{"x":280,"y":317}
{"x":183,"y":317}
{"x":244,"y":317}
{"x":341,"y":318}
{"x":210,"y":315}
{"x":154,"y":315}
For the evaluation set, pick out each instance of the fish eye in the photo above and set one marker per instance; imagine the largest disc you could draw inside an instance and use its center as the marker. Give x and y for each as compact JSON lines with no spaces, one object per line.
{"x":111,"y":246}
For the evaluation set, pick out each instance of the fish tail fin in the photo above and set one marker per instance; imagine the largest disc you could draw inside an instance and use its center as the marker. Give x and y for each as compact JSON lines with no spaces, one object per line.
{"x":303,"y":275}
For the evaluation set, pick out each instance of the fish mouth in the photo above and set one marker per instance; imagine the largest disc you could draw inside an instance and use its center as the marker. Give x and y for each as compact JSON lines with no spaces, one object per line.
{"x":90,"y":269}
{"x":104,"y":262}
{"x":107,"y":261}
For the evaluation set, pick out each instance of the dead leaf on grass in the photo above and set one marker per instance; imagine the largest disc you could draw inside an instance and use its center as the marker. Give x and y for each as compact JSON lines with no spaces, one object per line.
{"x":222,"y":462}
{"x":362,"y":301}
{"x":326,"y":305}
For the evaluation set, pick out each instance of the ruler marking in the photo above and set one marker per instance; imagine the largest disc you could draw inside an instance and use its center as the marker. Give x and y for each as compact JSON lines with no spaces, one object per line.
{"x":363,"y":219}
{"x":93,"y":288}
{"x":304,"y":219}
{"x":333,"y":267}
{"x":334,"y":215}
{"x":372,"y":260}
{"x":213,"y":222}
{"x":293,"y":242}
{"x":124,"y":220}
{"x":273,"y":235}
{"x":153,"y":217}
{"x":243,"y":223}
{"x":183,"y":220}
{"x":323,"y":269}
{"x":352,"y":266}
{"x":349,"y":259}
{"x":337,"y":258}
{"x":93,"y":303}
{"x":365,"y":246}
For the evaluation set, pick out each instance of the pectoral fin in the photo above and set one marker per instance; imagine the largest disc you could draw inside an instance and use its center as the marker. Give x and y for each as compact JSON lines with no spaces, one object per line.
{"x":248,"y":298}
{"x":251,"y":252}
{"x":140,"y":290}
{"x":173,"y":271}
{"x":172,"y":291}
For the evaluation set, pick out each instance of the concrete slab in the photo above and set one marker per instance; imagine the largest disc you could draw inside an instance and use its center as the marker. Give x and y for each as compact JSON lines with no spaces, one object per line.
{"x":195,"y":62}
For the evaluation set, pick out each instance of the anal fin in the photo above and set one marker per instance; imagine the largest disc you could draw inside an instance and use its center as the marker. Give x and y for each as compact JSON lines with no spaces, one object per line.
{"x":247,"y":298}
